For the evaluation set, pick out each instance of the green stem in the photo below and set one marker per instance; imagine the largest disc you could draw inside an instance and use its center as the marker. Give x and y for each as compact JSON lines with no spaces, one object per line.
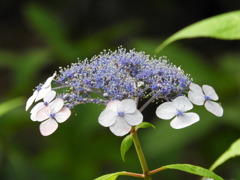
{"x":140,"y":154}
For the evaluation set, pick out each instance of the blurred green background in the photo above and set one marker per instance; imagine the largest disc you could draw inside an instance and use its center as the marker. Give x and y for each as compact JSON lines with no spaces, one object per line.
{"x":36,"y":37}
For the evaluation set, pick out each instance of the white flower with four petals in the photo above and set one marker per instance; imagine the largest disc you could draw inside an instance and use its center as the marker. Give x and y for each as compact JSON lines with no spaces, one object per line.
{"x":177,"y":109}
{"x":205,"y":95}
{"x":120,"y":116}
{"x":52,"y":115}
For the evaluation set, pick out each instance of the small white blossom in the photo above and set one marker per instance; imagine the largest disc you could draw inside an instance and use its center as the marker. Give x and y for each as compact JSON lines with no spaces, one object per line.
{"x":52,"y":115}
{"x":177,"y":109}
{"x":120,"y":116}
{"x":46,"y":101}
{"x":205,"y":95}
{"x":41,"y":92}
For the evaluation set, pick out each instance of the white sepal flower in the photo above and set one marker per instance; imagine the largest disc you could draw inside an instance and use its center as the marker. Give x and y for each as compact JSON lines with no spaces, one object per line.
{"x":52,"y":115}
{"x":46,"y":101}
{"x":120,"y":116}
{"x":205,"y":95}
{"x":177,"y":109}
{"x":41,"y":92}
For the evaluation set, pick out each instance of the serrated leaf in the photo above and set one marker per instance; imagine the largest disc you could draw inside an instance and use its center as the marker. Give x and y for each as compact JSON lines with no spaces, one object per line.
{"x":233,"y":151}
{"x":194,"y":170}
{"x":145,"y":125}
{"x":224,"y":26}
{"x":126,"y":144}
{"x":111,"y":176}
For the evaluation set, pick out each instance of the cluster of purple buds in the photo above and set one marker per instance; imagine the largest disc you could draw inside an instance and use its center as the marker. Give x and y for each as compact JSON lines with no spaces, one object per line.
{"x":120,"y":75}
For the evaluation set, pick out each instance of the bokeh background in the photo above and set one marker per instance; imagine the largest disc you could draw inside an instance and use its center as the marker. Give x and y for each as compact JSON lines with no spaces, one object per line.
{"x":36,"y":37}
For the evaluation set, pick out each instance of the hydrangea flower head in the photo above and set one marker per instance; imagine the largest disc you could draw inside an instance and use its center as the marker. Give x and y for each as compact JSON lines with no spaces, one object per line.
{"x":119,"y":80}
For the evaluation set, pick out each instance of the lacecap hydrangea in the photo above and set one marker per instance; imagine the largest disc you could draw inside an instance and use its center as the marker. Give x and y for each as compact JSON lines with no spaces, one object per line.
{"x":120,"y":79}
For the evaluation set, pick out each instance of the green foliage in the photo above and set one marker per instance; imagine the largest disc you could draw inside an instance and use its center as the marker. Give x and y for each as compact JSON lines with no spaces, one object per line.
{"x":194,"y":170}
{"x":56,"y":36}
{"x":233,"y":151}
{"x":126,"y":144}
{"x":111,"y":176}
{"x":50,"y":29}
{"x":145,"y":125}
{"x":9,"y":105}
{"x":225,"y":26}
{"x":30,"y":62}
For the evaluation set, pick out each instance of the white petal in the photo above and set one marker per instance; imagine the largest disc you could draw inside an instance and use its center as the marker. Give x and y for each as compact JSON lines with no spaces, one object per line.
{"x":214,"y":108}
{"x":37,"y":107}
{"x":120,"y":127}
{"x":127,"y":106}
{"x":210,"y":92}
{"x":33,"y":117}
{"x":185,"y":120}
{"x":56,"y":105}
{"x":48,"y":81}
{"x":50,"y":96}
{"x":48,"y":127}
{"x":31,"y":99}
{"x":182,"y":103}
{"x":196,"y":98}
{"x":63,"y":115}
{"x":35,"y":110}
{"x":43,"y":114}
{"x":42,"y":93}
{"x":196,"y":88}
{"x":107,"y":118}
{"x":113,"y":105}
{"x":166,"y":111}
{"x":134,"y":118}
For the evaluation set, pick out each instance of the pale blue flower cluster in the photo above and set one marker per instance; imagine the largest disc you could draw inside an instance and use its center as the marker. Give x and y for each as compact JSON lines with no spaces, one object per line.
{"x":118,"y":75}
{"x":119,"y":79}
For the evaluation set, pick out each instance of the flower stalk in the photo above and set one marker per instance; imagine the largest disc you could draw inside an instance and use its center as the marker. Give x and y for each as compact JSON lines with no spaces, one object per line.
{"x":156,"y":170}
{"x":140,"y":154}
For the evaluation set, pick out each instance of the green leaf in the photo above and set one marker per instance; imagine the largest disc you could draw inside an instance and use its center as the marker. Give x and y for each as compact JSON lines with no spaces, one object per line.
{"x":31,"y":62}
{"x":111,"y":176}
{"x":194,"y":170}
{"x":126,"y":144}
{"x":53,"y":32}
{"x":11,"y":104}
{"x":145,"y":125}
{"x":225,"y":26}
{"x":233,"y":151}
